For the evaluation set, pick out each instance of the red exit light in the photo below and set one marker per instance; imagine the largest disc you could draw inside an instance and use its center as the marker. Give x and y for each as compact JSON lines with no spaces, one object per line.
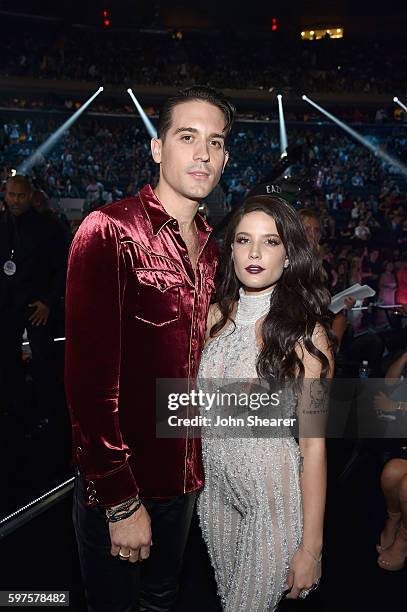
{"x":106,"y":18}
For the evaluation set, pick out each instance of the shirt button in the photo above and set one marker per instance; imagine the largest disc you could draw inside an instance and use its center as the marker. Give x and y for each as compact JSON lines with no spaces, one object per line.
{"x":174,"y":223}
{"x":79,"y":449}
{"x":186,"y":257}
{"x":162,"y":286}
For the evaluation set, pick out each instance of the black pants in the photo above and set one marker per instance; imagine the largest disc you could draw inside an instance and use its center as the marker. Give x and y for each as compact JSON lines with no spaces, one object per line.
{"x":112,"y":585}
{"x":43,"y":361}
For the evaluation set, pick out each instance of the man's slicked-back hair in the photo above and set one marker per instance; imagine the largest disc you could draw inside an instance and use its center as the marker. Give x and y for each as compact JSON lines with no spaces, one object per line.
{"x":201,"y":93}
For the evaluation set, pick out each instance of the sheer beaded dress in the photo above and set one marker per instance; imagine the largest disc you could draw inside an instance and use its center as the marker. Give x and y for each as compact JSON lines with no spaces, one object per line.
{"x":250,"y":508}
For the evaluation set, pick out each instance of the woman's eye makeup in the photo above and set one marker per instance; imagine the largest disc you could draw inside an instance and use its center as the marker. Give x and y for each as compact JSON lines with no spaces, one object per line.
{"x":269,"y":241}
{"x":241,"y":240}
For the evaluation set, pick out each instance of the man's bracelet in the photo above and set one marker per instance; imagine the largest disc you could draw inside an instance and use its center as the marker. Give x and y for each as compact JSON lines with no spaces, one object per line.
{"x":123,"y":511}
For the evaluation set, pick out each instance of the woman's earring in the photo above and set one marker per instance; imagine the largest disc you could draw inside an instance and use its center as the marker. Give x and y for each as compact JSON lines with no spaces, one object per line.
{"x":287,"y":263}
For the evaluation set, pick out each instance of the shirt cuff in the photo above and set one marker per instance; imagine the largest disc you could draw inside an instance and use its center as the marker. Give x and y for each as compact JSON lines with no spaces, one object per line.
{"x":110,"y":489}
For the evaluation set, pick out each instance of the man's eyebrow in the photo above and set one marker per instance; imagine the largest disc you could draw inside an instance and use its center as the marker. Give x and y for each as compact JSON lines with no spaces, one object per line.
{"x":186,"y":129}
{"x":195,"y":131}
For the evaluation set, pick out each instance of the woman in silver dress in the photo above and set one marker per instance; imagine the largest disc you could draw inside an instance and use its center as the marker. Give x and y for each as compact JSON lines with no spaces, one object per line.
{"x":262,"y":507}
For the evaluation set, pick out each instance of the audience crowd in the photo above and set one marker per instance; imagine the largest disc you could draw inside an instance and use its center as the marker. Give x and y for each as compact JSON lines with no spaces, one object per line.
{"x":225,"y":59}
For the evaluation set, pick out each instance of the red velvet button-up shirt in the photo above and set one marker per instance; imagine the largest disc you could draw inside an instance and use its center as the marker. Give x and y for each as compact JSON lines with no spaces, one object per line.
{"x":135,"y":312}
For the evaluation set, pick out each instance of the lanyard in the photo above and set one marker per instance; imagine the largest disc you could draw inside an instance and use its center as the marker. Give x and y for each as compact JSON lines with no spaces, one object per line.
{"x":10,"y":267}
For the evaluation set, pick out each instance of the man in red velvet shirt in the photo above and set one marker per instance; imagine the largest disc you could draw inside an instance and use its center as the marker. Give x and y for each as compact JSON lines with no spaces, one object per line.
{"x":140,"y":278}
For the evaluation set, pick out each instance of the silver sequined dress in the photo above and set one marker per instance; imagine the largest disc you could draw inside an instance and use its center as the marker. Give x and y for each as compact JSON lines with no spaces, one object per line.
{"x":250,"y":508}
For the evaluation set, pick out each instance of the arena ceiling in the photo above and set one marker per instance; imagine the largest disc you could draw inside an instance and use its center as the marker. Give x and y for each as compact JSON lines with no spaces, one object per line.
{"x":205,"y":13}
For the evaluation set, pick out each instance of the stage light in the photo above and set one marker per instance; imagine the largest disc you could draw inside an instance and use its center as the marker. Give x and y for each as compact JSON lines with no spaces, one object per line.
{"x":304,"y":97}
{"x":51,"y":141}
{"x":283,"y":131}
{"x":149,"y":126}
{"x":389,"y":159}
{"x":397,"y":101}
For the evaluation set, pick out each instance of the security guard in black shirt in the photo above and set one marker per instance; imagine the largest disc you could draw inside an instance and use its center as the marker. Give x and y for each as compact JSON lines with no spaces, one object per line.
{"x":33,"y":256}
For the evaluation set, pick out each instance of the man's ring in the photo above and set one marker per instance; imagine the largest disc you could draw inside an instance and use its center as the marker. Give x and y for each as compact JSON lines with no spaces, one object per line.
{"x":124,"y":556}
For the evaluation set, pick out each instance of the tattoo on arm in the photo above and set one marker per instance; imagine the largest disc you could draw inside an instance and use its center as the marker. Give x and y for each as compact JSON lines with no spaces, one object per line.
{"x":319,"y":393}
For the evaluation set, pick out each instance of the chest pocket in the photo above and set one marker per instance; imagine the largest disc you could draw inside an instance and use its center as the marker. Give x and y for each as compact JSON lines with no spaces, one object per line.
{"x":157,"y":296}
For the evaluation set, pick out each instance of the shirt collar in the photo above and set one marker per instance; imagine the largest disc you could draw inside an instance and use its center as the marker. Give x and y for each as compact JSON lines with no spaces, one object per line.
{"x":158,"y":216}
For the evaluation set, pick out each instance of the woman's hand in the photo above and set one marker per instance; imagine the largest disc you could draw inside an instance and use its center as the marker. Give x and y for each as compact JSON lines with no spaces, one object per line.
{"x":349,"y":303}
{"x":304,"y":573}
{"x":383,"y":402}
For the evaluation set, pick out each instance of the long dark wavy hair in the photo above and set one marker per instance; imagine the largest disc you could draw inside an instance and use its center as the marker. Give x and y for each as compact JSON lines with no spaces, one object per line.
{"x":299,"y":300}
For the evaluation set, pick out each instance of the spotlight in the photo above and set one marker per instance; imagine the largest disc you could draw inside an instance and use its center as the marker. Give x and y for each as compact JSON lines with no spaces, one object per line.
{"x":149,"y":126}
{"x":304,"y":97}
{"x":389,"y":159}
{"x":101,"y":88}
{"x":46,"y":146}
{"x":397,"y":101}
{"x":283,"y":131}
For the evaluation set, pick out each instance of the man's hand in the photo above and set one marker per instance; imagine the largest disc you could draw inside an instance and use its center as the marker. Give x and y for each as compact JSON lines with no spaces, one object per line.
{"x":40,"y":314}
{"x":132,"y":536}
